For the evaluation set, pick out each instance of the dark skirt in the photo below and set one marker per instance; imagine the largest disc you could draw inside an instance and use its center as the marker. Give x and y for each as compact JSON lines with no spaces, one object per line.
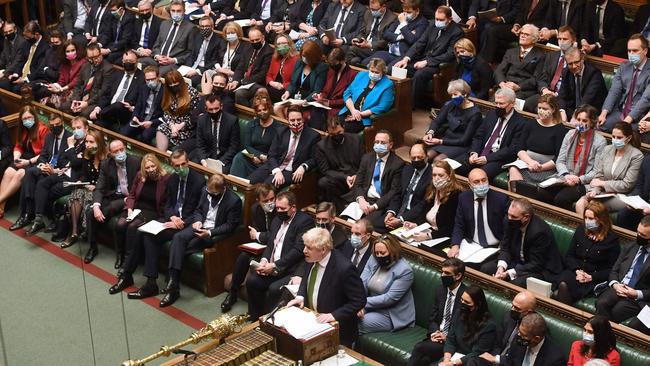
{"x":453,"y":152}
{"x":576,"y":289}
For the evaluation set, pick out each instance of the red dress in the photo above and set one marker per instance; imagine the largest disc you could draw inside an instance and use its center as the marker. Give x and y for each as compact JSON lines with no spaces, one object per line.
{"x":577,"y":359}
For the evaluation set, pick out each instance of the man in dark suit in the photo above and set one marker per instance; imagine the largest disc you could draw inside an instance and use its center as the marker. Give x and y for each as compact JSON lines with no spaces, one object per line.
{"x":480,"y":214}
{"x":184,"y":189}
{"x":629,"y":281}
{"x":13,"y":46}
{"x":496,"y":141}
{"x":32,"y":59}
{"x":359,"y":248}
{"x":523,"y":303}
{"x":116,"y":176}
{"x":121,"y":32}
{"x":225,"y":7}
{"x":490,"y":29}
{"x":563,"y":13}
{"x":74,"y":20}
{"x":443,"y":313}
{"x":522,"y":65}
{"x":173,"y":45}
{"x":333,"y":287}
{"x":93,"y":82}
{"x":99,"y":22}
{"x":408,"y":204}
{"x":47,"y":163}
{"x":283,"y":254}
{"x":217,"y":134}
{"x":528,"y":248}
{"x":291,"y":154}
{"x":145,"y":30}
{"x":147,"y":113}
{"x":262,"y":213}
{"x":253,"y":66}
{"x":602,"y":28}
{"x":116,"y":104}
{"x":338,"y":156}
{"x":378,"y":179}
{"x":345,"y":19}
{"x":628,"y":98}
{"x":324,"y":219}
{"x":403,"y":33}
{"x":436,"y":46}
{"x":375,"y":22}
{"x":218,"y":213}
{"x":533,"y":344}
{"x":629,"y":217}
{"x":582,"y":83}
{"x":207,"y":49}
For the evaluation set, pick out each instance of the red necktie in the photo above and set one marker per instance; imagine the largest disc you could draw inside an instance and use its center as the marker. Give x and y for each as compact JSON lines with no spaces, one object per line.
{"x":630,"y":95}
{"x":558,"y":74}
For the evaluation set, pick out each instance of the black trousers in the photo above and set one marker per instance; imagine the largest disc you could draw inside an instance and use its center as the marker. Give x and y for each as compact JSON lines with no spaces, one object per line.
{"x":331,"y":189}
{"x":111,"y":207}
{"x":426,"y":352}
{"x":490,"y":267}
{"x":492,"y":169}
{"x":49,"y":189}
{"x":28,"y":189}
{"x":263,"y":175}
{"x":629,"y":218}
{"x":615,"y":308}
{"x":152,"y":245}
{"x":114,"y":114}
{"x":263,"y":293}
{"x":242,"y":265}
{"x":185,"y":242}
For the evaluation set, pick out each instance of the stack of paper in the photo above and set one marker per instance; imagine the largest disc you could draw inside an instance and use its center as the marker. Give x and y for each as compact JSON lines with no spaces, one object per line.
{"x":353,"y":211}
{"x":299,"y":323}
{"x":214,"y":165}
{"x":636,"y":202}
{"x":552,"y":181}
{"x":152,"y":227}
{"x":519,"y":164}
{"x":453,"y":163}
{"x":474,"y":253}
{"x":433,"y":242}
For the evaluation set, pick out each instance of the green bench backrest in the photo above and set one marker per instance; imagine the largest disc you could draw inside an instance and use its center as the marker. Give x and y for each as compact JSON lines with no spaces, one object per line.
{"x":563,"y":235}
{"x":243,"y":124}
{"x":608,"y":79}
{"x":425,"y":281}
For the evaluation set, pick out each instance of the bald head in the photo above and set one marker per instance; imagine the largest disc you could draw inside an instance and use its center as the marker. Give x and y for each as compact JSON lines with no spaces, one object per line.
{"x":524,"y":302}
{"x":477,"y":176}
{"x":417,"y":152}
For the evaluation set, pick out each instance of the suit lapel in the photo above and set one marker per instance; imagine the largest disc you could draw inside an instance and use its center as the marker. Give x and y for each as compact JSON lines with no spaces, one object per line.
{"x":327,"y":278}
{"x":622,"y":164}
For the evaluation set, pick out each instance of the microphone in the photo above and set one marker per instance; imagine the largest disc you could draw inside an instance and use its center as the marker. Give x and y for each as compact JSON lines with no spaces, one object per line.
{"x":282,"y":303}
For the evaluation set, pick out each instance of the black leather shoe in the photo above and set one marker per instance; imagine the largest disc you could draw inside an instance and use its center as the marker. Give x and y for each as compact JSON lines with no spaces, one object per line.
{"x":21,"y":223}
{"x":57,"y":237}
{"x":70,"y":241}
{"x":170,"y":298}
{"x":169,"y":287}
{"x":119,"y":259}
{"x":90,"y":255}
{"x":37,"y":226}
{"x":122,"y":283}
{"x":228,"y":302}
{"x":143,"y":293}
{"x":51,"y":227}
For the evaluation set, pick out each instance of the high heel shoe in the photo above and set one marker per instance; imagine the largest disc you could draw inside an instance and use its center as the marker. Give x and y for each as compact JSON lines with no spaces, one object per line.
{"x":70,"y":241}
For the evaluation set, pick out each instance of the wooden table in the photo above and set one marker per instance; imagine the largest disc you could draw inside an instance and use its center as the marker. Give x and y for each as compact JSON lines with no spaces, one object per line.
{"x":361,"y":357}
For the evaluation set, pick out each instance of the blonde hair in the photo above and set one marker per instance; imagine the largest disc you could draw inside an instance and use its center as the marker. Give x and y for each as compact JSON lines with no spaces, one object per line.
{"x":153,"y":159}
{"x":318,"y":238}
{"x":465,"y":44}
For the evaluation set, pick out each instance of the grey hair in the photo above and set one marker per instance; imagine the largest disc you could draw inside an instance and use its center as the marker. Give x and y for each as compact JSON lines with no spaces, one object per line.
{"x":574,"y":51}
{"x":534,"y":30}
{"x":535,"y":323}
{"x":145,"y":2}
{"x":460,"y":86}
{"x":507,"y":93}
{"x":524,"y":205}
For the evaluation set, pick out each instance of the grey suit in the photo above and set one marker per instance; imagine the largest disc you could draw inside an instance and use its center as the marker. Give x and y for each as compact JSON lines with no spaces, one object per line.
{"x":521,"y":72}
{"x":618,"y":94}
{"x":180,"y":48}
{"x":565,"y":163}
{"x":357,"y":55}
{"x":99,"y":87}
{"x":394,"y":308}
{"x":622,"y":179}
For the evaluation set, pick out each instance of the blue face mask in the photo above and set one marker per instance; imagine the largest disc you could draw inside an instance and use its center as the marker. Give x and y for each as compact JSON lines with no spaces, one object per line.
{"x":634,"y":58}
{"x":581,"y":128}
{"x":481,"y":190}
{"x":152,"y":84}
{"x":231,"y":37}
{"x":380,"y":148}
{"x":374,"y":76}
{"x":355,"y":241}
{"x":409,"y":17}
{"x":457,"y":100}
{"x":176,"y":16}
{"x":440,"y":24}
{"x":79,"y":134}
{"x":587,"y":339}
{"x":618,"y":143}
{"x":29,"y":122}
{"x":376,"y":13}
{"x":591,"y":225}
{"x":120,"y":157}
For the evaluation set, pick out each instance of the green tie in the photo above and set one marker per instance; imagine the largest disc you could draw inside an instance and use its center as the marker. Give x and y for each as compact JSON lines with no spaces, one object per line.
{"x":312,"y":284}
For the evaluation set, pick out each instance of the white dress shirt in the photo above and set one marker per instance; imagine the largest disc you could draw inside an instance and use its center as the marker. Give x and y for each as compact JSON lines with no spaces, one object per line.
{"x":322,"y":264}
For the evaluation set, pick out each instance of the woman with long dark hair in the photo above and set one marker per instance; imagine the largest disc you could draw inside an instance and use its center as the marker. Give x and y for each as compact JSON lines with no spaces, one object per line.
{"x":473,"y":331}
{"x":598,"y":341}
{"x":179,"y":99}
{"x":72,"y":58}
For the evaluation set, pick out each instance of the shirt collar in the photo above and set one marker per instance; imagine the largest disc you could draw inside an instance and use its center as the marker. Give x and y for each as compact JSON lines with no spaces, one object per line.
{"x":384,"y":158}
{"x":323,"y":262}
{"x":455,"y":291}
{"x":535,"y":349}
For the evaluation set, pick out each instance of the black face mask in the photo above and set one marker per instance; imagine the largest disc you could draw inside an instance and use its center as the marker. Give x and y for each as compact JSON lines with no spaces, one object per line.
{"x":383,"y":261}
{"x":215,"y":116}
{"x":447,"y":281}
{"x":283,"y":216}
{"x":217,"y":90}
{"x":501,"y":112}
{"x":522,"y":342}
{"x":175,"y":88}
{"x":338,"y":139}
{"x":215,"y":196}
{"x":30,"y":40}
{"x":514,"y":224}
{"x":145,"y":16}
{"x":129,"y":66}
{"x":336,"y":67}
{"x":464,"y":308}
{"x":418,"y":164}
{"x":257,"y":46}
{"x":515,"y":315}
{"x":56,"y":130}
{"x":641,"y":241}
{"x":10,"y":37}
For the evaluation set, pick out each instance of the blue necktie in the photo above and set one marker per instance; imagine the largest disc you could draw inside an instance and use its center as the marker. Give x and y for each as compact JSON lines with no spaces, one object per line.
{"x":646,"y":30}
{"x":145,"y":39}
{"x":376,"y":177}
{"x":638,"y":266}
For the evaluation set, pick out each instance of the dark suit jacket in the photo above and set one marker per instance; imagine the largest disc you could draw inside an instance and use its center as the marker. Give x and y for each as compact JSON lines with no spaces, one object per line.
{"x":390,"y":179}
{"x":482,"y":78}
{"x":154,"y":30}
{"x":136,"y":188}
{"x":107,"y":182}
{"x":315,"y":83}
{"x":547,"y":70}
{"x":378,"y":43}
{"x":445,"y":216}
{"x":340,"y":166}
{"x":141,"y":105}
{"x":574,"y":16}
{"x":504,"y":332}
{"x":484,"y":341}
{"x":261,"y":221}
{"x":496,"y":210}
{"x":597,"y":259}
{"x":507,"y":9}
{"x":101,"y":82}
{"x":48,"y":148}
{"x":464,"y":8}
{"x":510,"y":140}
{"x":70,"y":12}
{"x":642,"y":187}
{"x":541,"y":255}
{"x":113,"y":88}
{"x":121,"y":33}
{"x":292,"y":246}
{"x":260,"y":65}
{"x":521,"y":72}
{"x":417,"y":201}
{"x":411,"y":33}
{"x":229,"y":213}
{"x":50,"y":71}
{"x":39,"y":60}
{"x":538,"y":16}
{"x":623,"y":264}
{"x":353,"y":22}
{"x":438,"y":308}
{"x":304,"y":152}
{"x":592,"y":89}
{"x":549,"y":355}
{"x":347,"y":250}
{"x":6,"y":146}
{"x":106,"y":22}
{"x":254,"y":8}
{"x":193,"y":189}
{"x":614,"y":26}
{"x":10,"y":58}
{"x":213,"y":53}
{"x":182,"y":46}
{"x":436,"y":51}
{"x":222,"y":7}
{"x":343,"y":296}
{"x":228,"y":138}
{"x":300,"y":12}
{"x":640,"y":18}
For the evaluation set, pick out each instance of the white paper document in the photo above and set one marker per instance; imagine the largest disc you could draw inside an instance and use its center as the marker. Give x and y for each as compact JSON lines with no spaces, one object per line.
{"x":644,"y":316}
{"x":152,"y":227}
{"x":519,"y":104}
{"x":407,"y":234}
{"x":243,"y":22}
{"x":353,"y":211}
{"x":552,"y":181}
{"x":335,"y":360}
{"x":184,"y":70}
{"x":214,"y":165}
{"x":605,"y":195}
{"x":433,"y":242}
{"x":474,"y":253}
{"x":636,"y":202}
{"x":74,"y":184}
{"x":293,"y":289}
{"x":398,"y":72}
{"x":519,"y":164}
{"x":133,"y":214}
{"x":294,"y":35}
{"x":318,"y":105}
{"x":539,"y":287}
{"x":291,"y":101}
{"x":245,"y":86}
{"x":254,"y":245}
{"x":457,"y":356}
{"x":452,"y":163}
{"x":299,"y":323}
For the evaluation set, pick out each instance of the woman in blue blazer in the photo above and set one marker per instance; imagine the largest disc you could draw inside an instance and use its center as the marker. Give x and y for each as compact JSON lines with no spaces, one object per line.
{"x":370,"y":94}
{"x":387,"y":279}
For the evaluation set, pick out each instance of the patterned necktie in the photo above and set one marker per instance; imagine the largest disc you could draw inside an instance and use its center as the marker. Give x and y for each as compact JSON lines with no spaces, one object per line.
{"x":447,"y":314}
{"x":578,"y":91}
{"x":145,"y":39}
{"x":290,"y":152}
{"x":638,"y":267}
{"x":181,"y":197}
{"x":356,"y":257}
{"x":28,"y":64}
{"x":339,"y":27}
{"x":487,"y":149}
